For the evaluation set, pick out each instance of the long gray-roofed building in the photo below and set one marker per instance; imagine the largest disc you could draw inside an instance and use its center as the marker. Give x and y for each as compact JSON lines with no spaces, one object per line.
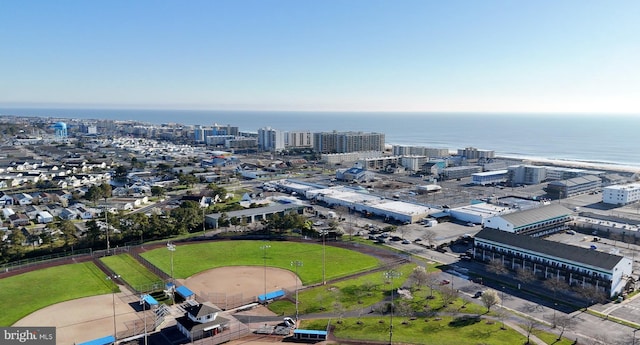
{"x":252,"y":215}
{"x":607,"y":273}
{"x":574,"y":186}
{"x":535,"y":222}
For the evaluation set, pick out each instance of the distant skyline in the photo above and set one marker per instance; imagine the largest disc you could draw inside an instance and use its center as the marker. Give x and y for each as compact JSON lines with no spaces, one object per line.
{"x":352,"y":55}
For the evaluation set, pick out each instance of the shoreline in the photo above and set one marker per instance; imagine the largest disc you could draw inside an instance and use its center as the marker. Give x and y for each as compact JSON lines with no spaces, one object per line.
{"x":576,"y":164}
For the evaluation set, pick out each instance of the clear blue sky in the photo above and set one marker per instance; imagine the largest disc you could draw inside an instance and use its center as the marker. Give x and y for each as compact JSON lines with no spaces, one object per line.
{"x":395,"y":55}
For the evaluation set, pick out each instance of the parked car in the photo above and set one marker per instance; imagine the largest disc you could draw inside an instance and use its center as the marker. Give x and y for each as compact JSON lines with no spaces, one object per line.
{"x":406,"y":242}
{"x":445,"y":282}
{"x":478,"y":294}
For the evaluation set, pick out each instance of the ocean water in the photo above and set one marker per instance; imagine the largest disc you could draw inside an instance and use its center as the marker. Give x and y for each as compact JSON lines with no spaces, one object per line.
{"x":605,"y":139}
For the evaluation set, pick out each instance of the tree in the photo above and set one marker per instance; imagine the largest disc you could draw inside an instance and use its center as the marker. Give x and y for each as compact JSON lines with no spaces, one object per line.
{"x":121,"y":171}
{"x":17,"y":238}
{"x":235,"y":221}
{"x":489,"y":299}
{"x":496,"y":266}
{"x":46,"y":238}
{"x":187,"y":179}
{"x":564,"y":322}
{"x":431,"y":281}
{"x":350,"y":230}
{"x":429,"y":236}
{"x":68,"y":232}
{"x":94,"y":232}
{"x":529,"y":326}
{"x":419,"y":276}
{"x":157,"y":191}
{"x":524,"y":275}
{"x":106,"y":190}
{"x":555,"y":285}
{"x":94,"y":193}
{"x":448,"y":295}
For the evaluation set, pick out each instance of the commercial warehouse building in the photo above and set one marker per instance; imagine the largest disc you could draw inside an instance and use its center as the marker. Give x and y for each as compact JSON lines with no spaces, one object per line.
{"x":574,"y":186}
{"x":535,"y":222}
{"x":490,"y":177}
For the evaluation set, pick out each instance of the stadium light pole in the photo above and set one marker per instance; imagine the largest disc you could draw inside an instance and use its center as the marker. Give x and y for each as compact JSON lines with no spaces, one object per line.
{"x":264,"y":259}
{"x":113,"y":303}
{"x":324,"y":264}
{"x":106,"y":221}
{"x":172,"y":248}
{"x":390,"y":275}
{"x":296,"y":264}
{"x":204,"y":231}
{"x":142,"y":297}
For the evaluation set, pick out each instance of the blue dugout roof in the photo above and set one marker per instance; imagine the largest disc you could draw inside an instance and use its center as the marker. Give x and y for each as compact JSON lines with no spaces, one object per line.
{"x":150,"y":300}
{"x":100,"y":341}
{"x":271,"y":295}
{"x":309,"y":331}
{"x":184,"y":291}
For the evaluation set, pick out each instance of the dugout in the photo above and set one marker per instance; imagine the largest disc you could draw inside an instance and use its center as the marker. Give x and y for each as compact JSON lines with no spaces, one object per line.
{"x":270,"y":296}
{"x":185,"y":293}
{"x":100,"y":341}
{"x":309,"y":335}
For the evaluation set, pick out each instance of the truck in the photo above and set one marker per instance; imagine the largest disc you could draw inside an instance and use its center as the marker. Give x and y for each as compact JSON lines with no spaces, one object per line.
{"x":430,"y":222}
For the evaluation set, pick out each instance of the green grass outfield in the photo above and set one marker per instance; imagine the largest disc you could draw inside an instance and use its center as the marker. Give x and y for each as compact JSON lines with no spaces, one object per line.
{"x":130,"y":270}
{"x":194,"y":258}
{"x":23,"y":294}
{"x":438,"y":330}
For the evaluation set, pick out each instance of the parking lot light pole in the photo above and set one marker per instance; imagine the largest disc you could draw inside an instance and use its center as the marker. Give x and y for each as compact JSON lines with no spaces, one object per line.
{"x":634,"y":335}
{"x":264,"y":258}
{"x":296,"y":264}
{"x":390,"y":275}
{"x":113,"y":303}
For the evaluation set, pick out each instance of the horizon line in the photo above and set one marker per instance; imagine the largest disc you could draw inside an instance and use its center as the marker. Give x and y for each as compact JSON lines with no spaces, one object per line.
{"x":179,"y":108}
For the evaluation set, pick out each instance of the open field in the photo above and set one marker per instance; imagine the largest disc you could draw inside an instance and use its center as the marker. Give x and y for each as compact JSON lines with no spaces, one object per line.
{"x":130,"y":270}
{"x":191,"y":259}
{"x":438,"y":330}
{"x":25,"y":293}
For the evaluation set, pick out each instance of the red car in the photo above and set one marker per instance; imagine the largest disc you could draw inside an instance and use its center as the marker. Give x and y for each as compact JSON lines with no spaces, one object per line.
{"x":445,"y":282}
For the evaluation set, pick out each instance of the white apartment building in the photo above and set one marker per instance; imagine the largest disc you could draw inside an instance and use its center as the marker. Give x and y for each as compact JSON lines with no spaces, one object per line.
{"x":409,"y":150}
{"x":474,"y":153}
{"x":413,"y":163}
{"x":526,"y":174}
{"x":299,"y":139}
{"x":270,"y":139}
{"x":621,"y":194}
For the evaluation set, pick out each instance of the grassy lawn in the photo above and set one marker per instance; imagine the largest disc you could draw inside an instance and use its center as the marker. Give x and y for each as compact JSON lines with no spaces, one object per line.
{"x":441,"y":331}
{"x":550,"y":338}
{"x":193,"y":258}
{"x":28,"y":292}
{"x":130,"y":270}
{"x":366,"y":290}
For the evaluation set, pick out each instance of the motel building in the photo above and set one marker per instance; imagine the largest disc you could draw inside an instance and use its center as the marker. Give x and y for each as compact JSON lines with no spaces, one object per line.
{"x":577,"y":266}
